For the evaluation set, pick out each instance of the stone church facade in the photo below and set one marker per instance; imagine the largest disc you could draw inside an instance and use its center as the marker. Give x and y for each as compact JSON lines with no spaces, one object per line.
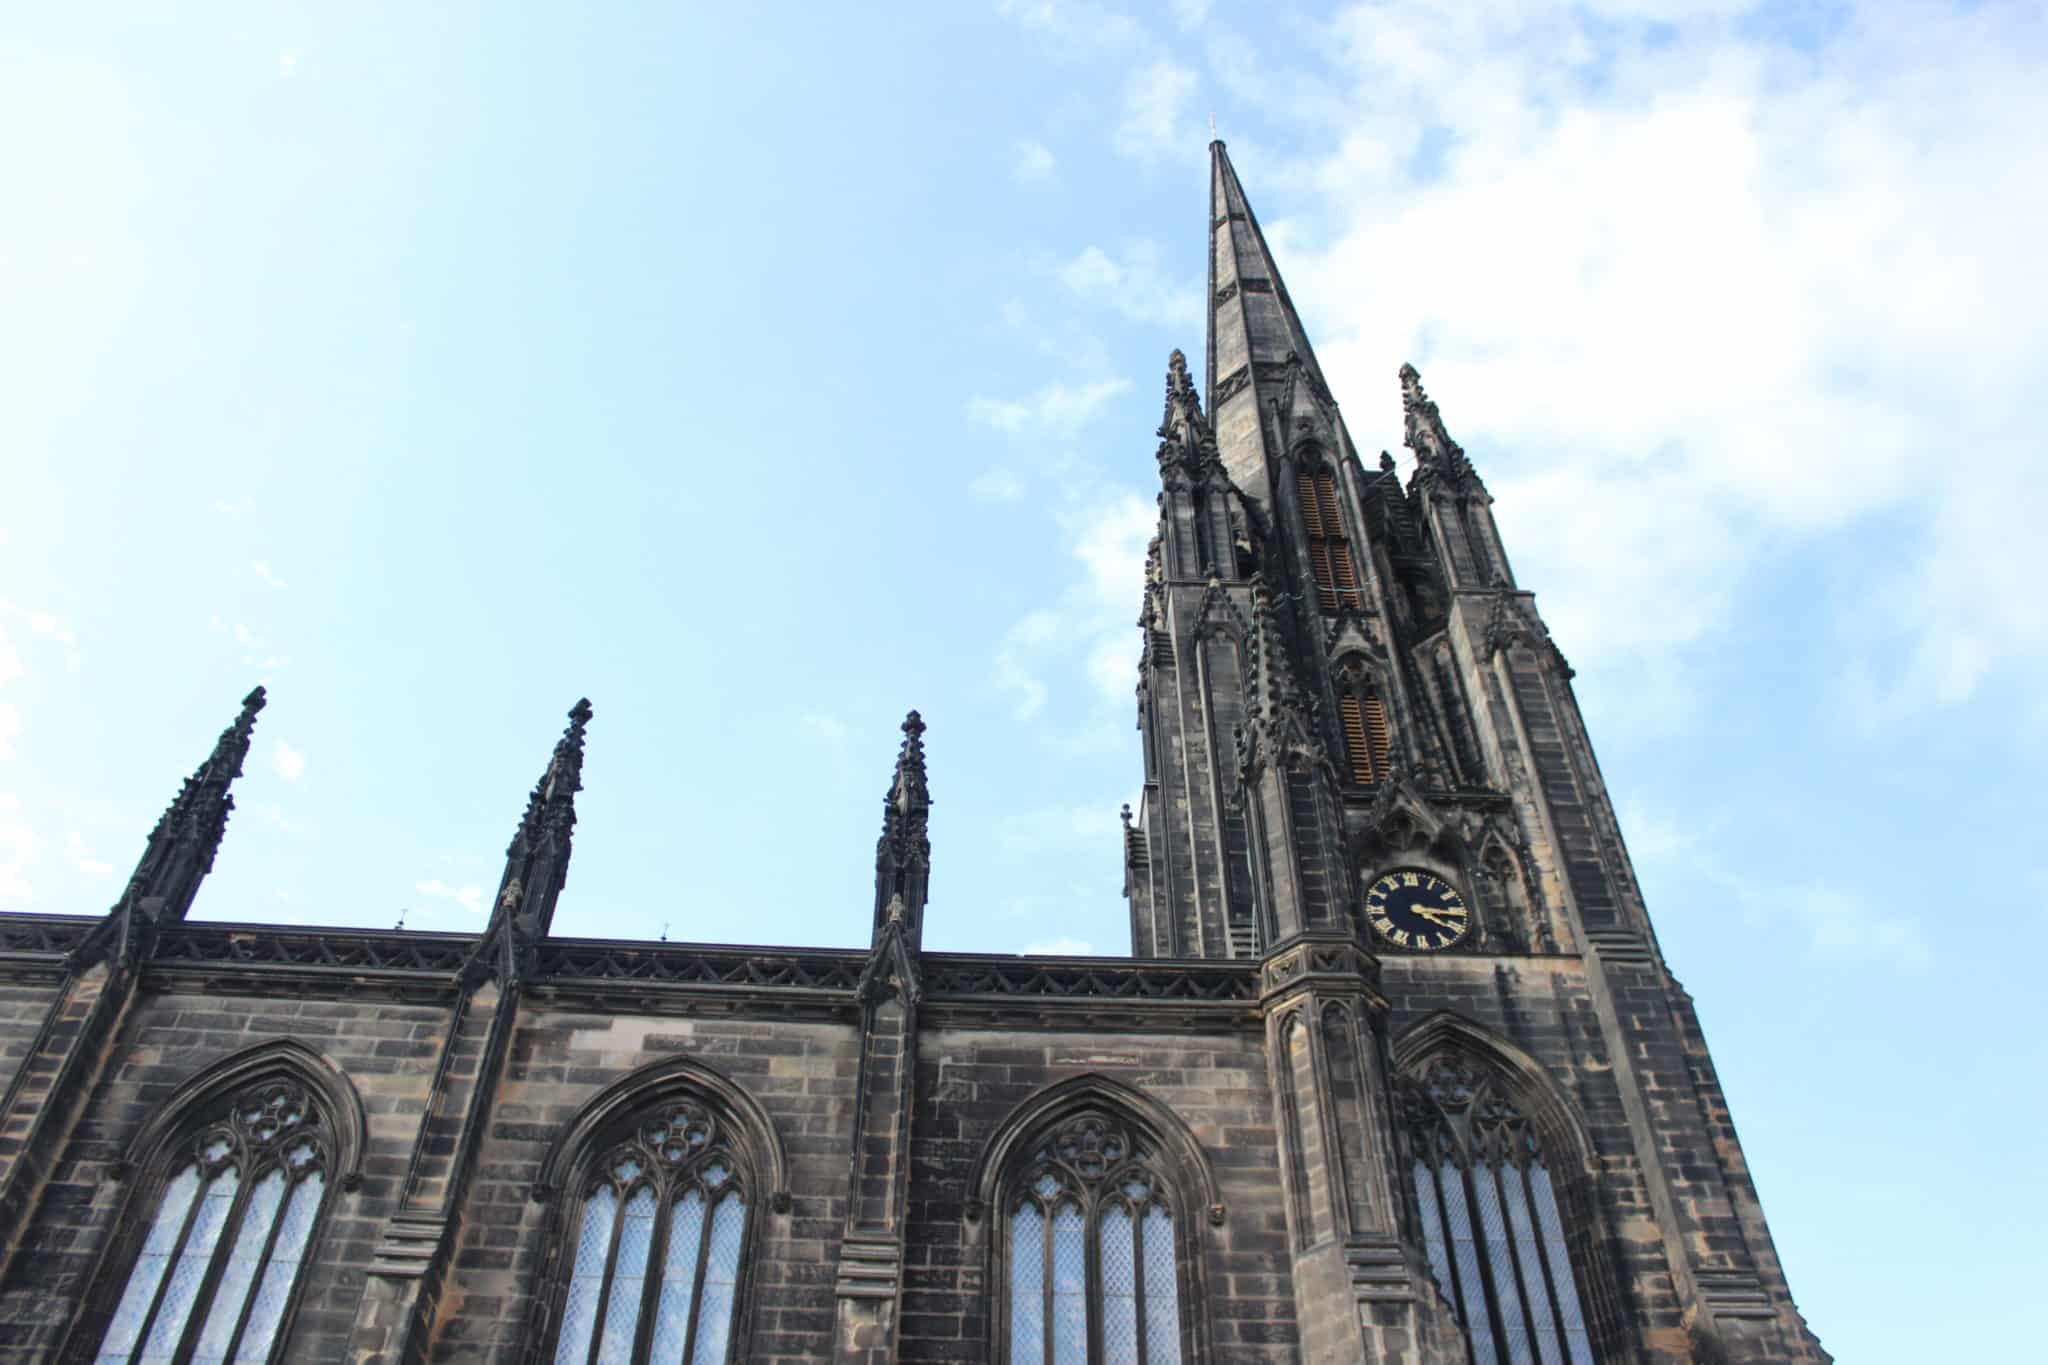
{"x":1396,"y":1072}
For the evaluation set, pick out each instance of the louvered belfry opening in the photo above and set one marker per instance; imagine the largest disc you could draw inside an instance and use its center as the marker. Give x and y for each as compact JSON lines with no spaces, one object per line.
{"x":1329,"y":550}
{"x":1368,"y":743}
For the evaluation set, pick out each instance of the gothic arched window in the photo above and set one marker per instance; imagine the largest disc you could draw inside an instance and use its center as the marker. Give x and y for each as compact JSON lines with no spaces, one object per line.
{"x":657,"y":1244}
{"x":234,"y":1198}
{"x":1490,"y":1222}
{"x":1092,"y":1270}
{"x":1329,"y":548}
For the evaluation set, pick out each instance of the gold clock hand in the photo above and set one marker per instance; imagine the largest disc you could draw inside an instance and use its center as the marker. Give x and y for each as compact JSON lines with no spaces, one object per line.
{"x":1439,"y":918}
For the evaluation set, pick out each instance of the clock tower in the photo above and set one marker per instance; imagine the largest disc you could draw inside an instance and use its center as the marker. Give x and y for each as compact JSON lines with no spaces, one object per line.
{"x":1365,"y":770}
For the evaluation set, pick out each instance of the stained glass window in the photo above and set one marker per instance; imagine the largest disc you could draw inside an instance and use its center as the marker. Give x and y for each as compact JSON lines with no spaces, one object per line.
{"x":1490,"y":1222}
{"x":657,"y":1248}
{"x":227,"y":1234}
{"x":1092,"y":1271}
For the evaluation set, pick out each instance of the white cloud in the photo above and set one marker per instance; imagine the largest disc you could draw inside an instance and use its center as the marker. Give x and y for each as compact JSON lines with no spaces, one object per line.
{"x":1844,"y":928}
{"x":825,"y":729}
{"x":1135,"y":286}
{"x":1055,"y":410}
{"x":1052,"y":827}
{"x":1034,"y":163}
{"x":1690,"y":299}
{"x":44,"y":623}
{"x":287,"y":65}
{"x":996,"y":485}
{"x":10,"y":660}
{"x":1074,"y":29}
{"x":272,"y":814}
{"x":80,"y":857}
{"x":235,"y":507}
{"x":1154,"y":123}
{"x":1061,"y":947}
{"x":288,"y":762}
{"x":10,"y":727}
{"x":1089,"y":632}
{"x":470,"y":898}
{"x":263,"y":571}
{"x":1190,"y":13}
{"x":19,"y":848}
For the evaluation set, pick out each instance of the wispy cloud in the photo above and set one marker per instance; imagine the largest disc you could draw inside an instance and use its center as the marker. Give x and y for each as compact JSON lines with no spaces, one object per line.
{"x":19,"y":848}
{"x":81,"y":858}
{"x":1074,"y":29}
{"x":1034,"y":163}
{"x":1061,"y":947}
{"x":263,"y":571}
{"x":1155,"y":123}
{"x":997,"y":485}
{"x":470,"y":898}
{"x":241,"y":506}
{"x":1135,"y":286}
{"x":1057,"y":409}
{"x":828,"y":730}
{"x":288,"y":762}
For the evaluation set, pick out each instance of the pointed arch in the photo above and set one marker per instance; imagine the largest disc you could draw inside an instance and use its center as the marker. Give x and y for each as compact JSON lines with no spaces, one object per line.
{"x":1503,"y":1170}
{"x":278,"y":1057}
{"x":233,"y":1174}
{"x":1096,"y":1195}
{"x":657,"y":1192}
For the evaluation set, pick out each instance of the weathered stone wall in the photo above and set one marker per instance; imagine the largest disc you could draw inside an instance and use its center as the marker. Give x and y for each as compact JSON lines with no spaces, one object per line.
{"x":801,"y":1073}
{"x":22,"y":1006}
{"x":974,"y":1080}
{"x":385,"y":1048}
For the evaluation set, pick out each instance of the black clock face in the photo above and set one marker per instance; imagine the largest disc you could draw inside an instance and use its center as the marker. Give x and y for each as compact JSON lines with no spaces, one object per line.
{"x":1417,"y":910}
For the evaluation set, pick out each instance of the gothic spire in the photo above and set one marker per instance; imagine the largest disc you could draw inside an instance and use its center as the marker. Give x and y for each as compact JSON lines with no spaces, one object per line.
{"x":1252,"y":321}
{"x":1436,"y":454}
{"x":903,"y":853}
{"x":182,"y":846}
{"x":537,"y":860}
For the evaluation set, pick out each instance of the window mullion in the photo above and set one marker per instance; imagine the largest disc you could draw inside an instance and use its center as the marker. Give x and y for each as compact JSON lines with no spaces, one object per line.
{"x":1045,"y":1276}
{"x":697,"y":1278}
{"x":1091,"y":1279}
{"x":223,"y":1248}
{"x":1138,"y":1280}
{"x":651,"y":1283}
{"x":284,"y":1204}
{"x":1544,"y":1259}
{"x":1483,"y":1254}
{"x":604,"y":1289}
{"x":1507,"y":1232}
{"x":1460,"y":1291}
{"x":163,"y":1284}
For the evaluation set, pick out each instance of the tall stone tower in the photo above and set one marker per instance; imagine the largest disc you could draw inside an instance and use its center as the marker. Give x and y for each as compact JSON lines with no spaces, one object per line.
{"x":1365,"y":770}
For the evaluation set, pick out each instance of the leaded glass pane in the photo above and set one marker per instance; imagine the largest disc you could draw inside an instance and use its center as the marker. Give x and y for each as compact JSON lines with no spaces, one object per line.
{"x":1116,"y":1247}
{"x":232,"y":1290}
{"x":1501,"y":1260}
{"x":1543,"y":1323}
{"x":1162,"y":1291}
{"x":1472,"y":1291}
{"x":629,"y":1278}
{"x":1027,"y":1285}
{"x":721,"y":1282}
{"x":593,"y":1249}
{"x":1575,"y":1337}
{"x":1069,"y":1287}
{"x":1433,"y":1231}
{"x":678,"y":1279}
{"x":149,"y":1266}
{"x":287,"y":1253}
{"x":190,"y":1270}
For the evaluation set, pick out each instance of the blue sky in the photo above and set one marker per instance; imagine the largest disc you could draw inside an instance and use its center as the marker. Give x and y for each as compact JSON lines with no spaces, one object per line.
{"x":764,"y":374}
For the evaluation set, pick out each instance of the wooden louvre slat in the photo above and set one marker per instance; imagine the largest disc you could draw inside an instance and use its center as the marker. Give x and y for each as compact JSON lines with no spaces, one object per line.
{"x":1356,"y":748}
{"x":1382,"y":736}
{"x":1311,"y":512}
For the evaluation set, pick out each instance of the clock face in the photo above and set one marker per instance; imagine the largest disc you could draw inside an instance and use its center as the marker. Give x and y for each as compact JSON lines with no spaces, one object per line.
{"x":1417,"y":910}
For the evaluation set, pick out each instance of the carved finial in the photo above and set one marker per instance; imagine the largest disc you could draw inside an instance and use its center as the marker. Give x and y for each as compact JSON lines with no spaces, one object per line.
{"x":1386,"y":463}
{"x":1436,"y":454}
{"x":907,"y":789}
{"x":1125,"y":813}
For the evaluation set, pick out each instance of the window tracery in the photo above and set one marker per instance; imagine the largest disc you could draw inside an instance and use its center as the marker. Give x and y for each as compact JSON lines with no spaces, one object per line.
{"x":240,"y":1193}
{"x":1491,"y":1226}
{"x":658,"y":1245}
{"x":1093,"y":1272}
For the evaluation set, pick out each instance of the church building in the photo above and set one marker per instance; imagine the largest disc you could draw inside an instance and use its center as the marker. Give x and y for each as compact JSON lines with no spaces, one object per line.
{"x":1396,"y":1070}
